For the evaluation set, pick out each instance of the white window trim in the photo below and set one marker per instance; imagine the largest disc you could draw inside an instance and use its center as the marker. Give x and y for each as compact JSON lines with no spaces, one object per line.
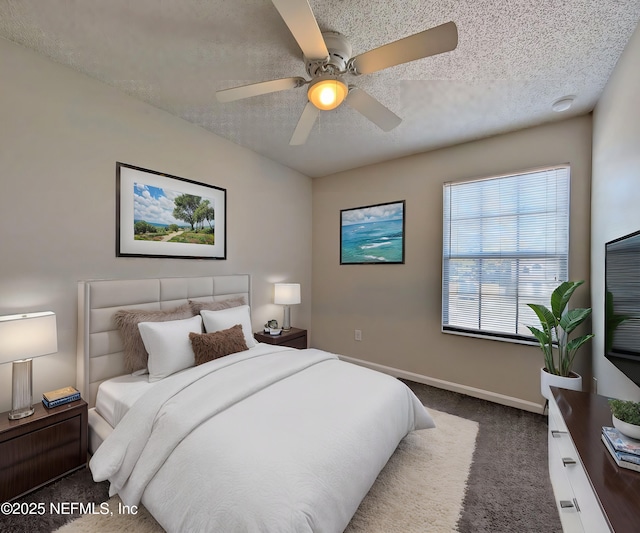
{"x":497,"y":336}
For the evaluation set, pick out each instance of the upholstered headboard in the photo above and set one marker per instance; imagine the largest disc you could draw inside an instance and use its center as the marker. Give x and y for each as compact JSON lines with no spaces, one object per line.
{"x":100,"y":355}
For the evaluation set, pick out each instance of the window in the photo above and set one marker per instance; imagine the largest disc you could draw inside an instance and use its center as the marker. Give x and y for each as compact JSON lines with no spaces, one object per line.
{"x":505,"y":244}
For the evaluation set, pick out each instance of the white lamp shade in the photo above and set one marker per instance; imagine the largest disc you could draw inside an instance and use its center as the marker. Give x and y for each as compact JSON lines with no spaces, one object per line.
{"x":28,"y":335}
{"x":286,"y":294}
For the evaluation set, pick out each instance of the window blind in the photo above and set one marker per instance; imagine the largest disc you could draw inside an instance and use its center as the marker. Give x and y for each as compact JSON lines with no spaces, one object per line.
{"x":505,"y":244}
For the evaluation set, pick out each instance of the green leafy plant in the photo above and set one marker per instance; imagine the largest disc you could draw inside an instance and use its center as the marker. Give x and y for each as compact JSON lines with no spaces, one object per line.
{"x":626,"y":411}
{"x":557,"y":324}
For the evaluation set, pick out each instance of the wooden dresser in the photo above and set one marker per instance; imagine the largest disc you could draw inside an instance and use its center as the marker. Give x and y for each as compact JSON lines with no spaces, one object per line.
{"x":592,"y":493}
{"x":42,"y":447}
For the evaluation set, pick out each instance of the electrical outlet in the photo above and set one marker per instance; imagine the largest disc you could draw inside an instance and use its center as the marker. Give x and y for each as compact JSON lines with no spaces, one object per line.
{"x":358,"y":335}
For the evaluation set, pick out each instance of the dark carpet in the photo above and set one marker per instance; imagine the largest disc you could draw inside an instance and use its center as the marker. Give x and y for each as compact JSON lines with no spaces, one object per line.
{"x":508,"y":490}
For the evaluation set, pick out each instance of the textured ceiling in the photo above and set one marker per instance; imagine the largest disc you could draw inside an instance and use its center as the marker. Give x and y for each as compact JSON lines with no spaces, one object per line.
{"x":514,"y":58}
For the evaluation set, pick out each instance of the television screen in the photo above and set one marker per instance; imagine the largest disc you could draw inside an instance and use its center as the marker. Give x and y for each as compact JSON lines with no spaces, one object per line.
{"x":622,"y":299}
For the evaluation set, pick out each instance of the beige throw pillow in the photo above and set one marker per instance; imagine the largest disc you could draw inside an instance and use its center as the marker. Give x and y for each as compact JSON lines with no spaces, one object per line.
{"x":210,"y":346}
{"x":127,"y":320}
{"x":216,"y":305}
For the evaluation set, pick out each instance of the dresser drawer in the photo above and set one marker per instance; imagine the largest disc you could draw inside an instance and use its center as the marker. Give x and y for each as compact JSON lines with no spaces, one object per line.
{"x":300,"y":343}
{"x":589,"y":507}
{"x":581,"y":511}
{"x":556,"y":422}
{"x":35,"y":458}
{"x":43,"y":447}
{"x":562,"y":489}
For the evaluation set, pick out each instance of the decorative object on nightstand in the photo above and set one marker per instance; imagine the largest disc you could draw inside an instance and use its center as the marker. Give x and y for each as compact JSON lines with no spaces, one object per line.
{"x":60,"y":396}
{"x":557,"y":324}
{"x":286,"y":294}
{"x":23,"y":337}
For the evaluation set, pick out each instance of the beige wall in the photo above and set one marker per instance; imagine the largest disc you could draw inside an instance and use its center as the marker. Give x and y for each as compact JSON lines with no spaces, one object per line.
{"x":60,"y":137}
{"x":616,"y":195}
{"x":63,"y":132}
{"x":398,"y":307}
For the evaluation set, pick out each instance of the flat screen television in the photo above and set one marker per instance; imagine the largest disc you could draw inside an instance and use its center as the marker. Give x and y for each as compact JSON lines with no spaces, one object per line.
{"x":622,"y":301}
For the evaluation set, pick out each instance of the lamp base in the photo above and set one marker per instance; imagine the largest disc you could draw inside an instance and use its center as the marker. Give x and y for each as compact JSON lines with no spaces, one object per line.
{"x":286,"y":323}
{"x":21,"y":393}
{"x":21,"y":413}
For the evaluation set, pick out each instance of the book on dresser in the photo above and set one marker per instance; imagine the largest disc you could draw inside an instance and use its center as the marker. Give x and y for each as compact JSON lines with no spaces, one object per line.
{"x":625,"y":451}
{"x":60,"y":396}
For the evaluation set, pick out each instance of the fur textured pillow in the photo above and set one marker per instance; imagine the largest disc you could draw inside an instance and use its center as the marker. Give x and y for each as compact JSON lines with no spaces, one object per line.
{"x":127,"y":320}
{"x":217,"y":305}
{"x":210,"y":346}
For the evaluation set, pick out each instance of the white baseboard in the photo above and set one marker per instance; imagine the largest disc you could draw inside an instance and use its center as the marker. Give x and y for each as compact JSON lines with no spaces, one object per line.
{"x":450,"y":386}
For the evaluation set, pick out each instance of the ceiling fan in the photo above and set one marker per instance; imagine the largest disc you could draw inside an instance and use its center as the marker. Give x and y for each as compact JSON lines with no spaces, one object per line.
{"x":327,"y":56}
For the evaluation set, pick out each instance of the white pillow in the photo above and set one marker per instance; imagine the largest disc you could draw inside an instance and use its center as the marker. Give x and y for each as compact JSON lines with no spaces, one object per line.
{"x":168,"y":345}
{"x":227,"y":318}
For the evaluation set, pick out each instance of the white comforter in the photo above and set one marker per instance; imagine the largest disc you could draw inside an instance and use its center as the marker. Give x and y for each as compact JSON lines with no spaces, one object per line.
{"x":267,"y":440}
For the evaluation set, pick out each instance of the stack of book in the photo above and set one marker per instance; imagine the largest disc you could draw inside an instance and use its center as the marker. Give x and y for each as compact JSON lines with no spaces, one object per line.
{"x":624,"y":450}
{"x":60,"y":397}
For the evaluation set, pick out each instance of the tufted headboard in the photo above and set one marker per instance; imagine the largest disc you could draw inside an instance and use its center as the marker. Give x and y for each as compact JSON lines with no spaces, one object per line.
{"x":99,"y":348}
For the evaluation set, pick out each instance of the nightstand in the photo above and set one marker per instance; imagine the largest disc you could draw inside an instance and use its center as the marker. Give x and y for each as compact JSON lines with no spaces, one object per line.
{"x":41,"y":448}
{"x":294,"y":338}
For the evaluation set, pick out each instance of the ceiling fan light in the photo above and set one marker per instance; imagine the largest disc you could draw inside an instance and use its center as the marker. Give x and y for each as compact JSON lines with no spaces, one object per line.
{"x":327,"y":93}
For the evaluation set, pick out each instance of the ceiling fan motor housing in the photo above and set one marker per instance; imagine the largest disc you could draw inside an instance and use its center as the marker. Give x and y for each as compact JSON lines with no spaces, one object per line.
{"x":340,"y":52}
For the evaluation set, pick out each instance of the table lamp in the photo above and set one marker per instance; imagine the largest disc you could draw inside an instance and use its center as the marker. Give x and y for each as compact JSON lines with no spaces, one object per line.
{"x":23,"y":337}
{"x":286,"y":294}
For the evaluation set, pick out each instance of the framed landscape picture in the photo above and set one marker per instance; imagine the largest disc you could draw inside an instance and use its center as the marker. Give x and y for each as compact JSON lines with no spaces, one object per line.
{"x":373,"y":234}
{"x":158,"y":215}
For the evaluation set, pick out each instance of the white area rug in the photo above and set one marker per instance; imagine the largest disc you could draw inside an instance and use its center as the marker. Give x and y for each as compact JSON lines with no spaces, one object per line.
{"x":420,"y":490}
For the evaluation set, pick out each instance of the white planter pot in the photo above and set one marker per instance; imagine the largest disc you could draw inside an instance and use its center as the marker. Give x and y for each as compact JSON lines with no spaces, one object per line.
{"x":574,"y":382}
{"x":630,"y":430}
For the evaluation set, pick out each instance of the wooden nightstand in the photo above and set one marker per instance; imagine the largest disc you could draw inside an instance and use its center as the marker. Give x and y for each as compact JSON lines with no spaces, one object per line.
{"x":294,"y":338}
{"x":41,"y":448}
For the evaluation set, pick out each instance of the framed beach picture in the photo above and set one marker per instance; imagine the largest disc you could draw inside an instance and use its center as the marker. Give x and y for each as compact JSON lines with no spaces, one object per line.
{"x":158,"y":215}
{"x":373,"y":234}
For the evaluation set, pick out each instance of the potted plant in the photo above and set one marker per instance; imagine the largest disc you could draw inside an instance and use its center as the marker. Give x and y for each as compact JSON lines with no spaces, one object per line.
{"x":557,"y":325}
{"x":626,"y":417}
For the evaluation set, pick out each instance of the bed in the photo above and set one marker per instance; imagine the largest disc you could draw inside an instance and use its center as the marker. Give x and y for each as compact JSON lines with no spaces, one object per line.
{"x":264,"y":439}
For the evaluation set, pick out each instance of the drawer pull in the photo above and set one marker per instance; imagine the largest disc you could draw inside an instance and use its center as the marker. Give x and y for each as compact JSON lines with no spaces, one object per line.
{"x":568,"y":461}
{"x":566,"y":504}
{"x":555,"y":433}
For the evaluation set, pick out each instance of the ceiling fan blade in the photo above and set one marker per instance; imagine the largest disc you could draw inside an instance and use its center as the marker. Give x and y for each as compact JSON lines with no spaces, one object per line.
{"x":306,"y":122}
{"x":443,"y":38}
{"x":256,"y":89}
{"x":302,"y":23}
{"x":368,"y":106}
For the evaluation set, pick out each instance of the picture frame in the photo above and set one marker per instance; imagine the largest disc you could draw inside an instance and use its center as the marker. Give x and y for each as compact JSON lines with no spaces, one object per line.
{"x":160,"y":215}
{"x":373,"y":234}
